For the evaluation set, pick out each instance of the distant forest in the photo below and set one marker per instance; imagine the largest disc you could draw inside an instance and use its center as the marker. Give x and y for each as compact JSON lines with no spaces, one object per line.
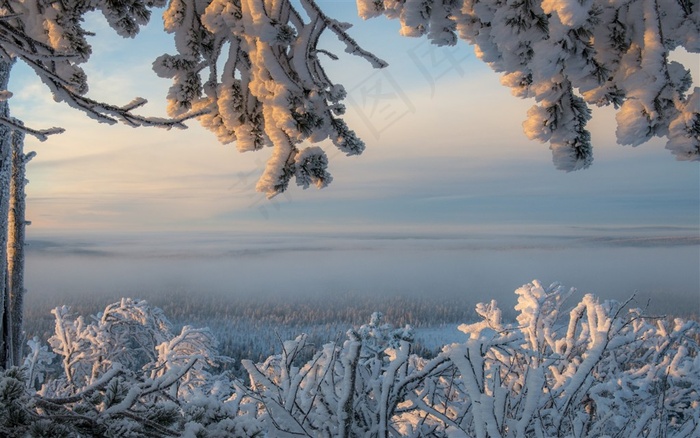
{"x":253,"y":327}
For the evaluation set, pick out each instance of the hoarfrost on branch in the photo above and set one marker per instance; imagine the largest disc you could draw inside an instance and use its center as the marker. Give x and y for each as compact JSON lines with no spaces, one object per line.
{"x":588,"y":369}
{"x":569,"y":54}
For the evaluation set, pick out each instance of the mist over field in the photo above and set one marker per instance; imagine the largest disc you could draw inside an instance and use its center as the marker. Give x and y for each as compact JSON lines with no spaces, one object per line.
{"x":660,"y":265}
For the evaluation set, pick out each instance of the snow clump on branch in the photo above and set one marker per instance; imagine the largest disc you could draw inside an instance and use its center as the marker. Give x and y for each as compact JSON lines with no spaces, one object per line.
{"x":273,"y":90}
{"x":569,"y":54}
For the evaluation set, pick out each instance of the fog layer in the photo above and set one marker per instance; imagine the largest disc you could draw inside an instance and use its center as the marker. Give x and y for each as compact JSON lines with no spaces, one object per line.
{"x":659,"y":266}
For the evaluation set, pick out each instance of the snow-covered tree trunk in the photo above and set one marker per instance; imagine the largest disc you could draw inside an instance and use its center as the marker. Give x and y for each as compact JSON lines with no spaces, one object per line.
{"x":5,"y":178}
{"x":345,"y":404}
{"x":48,"y":38}
{"x":15,"y":244}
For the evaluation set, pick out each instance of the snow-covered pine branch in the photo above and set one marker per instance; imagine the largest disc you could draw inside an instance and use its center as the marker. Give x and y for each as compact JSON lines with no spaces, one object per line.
{"x":50,"y":39}
{"x":273,"y":90}
{"x":569,"y":54}
{"x":41,"y":134}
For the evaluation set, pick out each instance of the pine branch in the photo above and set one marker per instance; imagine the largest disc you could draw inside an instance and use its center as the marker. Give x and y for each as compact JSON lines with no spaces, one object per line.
{"x":41,"y":134}
{"x":41,"y":58}
{"x":351,"y":46}
{"x":85,"y":392}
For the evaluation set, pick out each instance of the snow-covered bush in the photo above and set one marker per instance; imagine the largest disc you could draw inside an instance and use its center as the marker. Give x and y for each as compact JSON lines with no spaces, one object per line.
{"x":598,"y":370}
{"x":351,"y":389}
{"x":123,"y":373}
{"x":601,"y":370}
{"x":594,"y":369}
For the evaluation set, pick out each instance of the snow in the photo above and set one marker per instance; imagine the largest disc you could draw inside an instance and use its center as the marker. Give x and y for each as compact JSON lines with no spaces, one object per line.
{"x":594,"y":369}
{"x":559,"y":50}
{"x":572,"y":13}
{"x":369,"y":8}
{"x":579,"y":373}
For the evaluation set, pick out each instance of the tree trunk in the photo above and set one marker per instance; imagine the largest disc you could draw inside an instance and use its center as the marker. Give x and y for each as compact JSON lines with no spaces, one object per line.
{"x":5,"y":178}
{"x":15,"y":245}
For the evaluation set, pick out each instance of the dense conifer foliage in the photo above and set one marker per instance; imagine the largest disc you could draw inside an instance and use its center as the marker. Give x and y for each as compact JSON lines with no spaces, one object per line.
{"x":569,"y":54}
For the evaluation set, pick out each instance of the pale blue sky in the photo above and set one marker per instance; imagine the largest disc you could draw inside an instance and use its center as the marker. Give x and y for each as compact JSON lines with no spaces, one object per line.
{"x":445,"y":157}
{"x":444,"y":148}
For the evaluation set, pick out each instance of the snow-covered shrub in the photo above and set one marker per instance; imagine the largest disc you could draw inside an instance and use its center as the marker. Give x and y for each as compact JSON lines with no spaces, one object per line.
{"x":131,"y":335}
{"x":124,"y":373}
{"x":594,"y":369}
{"x":599,"y":369}
{"x":344,"y":390}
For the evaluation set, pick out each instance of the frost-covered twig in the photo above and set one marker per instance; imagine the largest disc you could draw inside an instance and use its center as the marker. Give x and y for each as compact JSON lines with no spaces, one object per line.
{"x":41,"y":134}
{"x":87,"y":391}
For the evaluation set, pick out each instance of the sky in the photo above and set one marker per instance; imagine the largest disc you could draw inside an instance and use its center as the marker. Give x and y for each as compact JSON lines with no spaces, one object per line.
{"x":445,"y":156}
